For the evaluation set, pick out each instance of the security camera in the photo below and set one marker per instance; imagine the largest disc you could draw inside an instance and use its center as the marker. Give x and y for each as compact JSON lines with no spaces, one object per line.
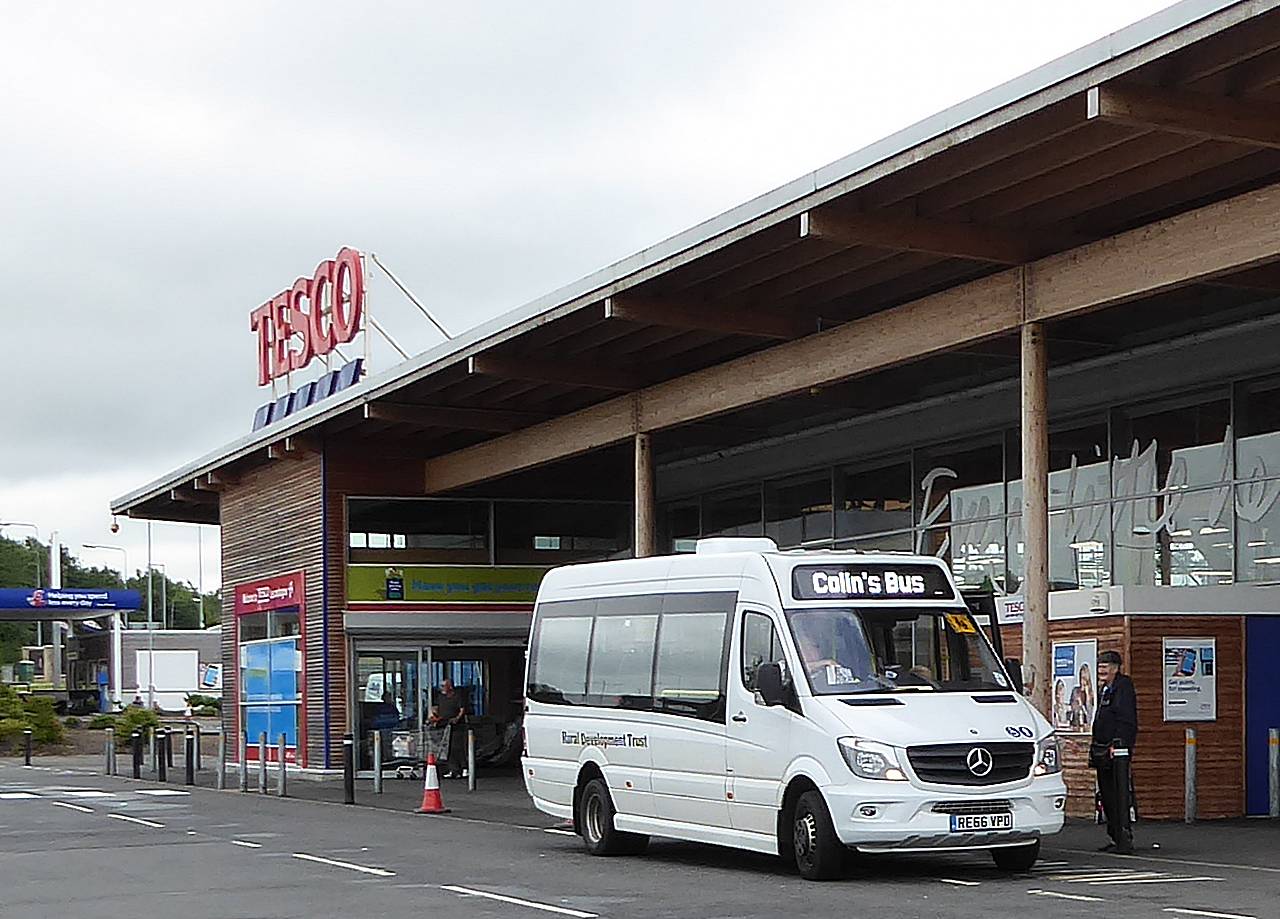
{"x":115,"y":527}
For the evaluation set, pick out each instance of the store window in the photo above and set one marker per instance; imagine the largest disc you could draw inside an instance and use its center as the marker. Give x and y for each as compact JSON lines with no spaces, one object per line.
{"x":1171,"y":446}
{"x":679,"y":526}
{"x":959,"y":483}
{"x":872,"y":500}
{"x":557,"y":533}
{"x":735,"y":513}
{"x":798,"y":510}
{"x":270,"y":676}
{"x":418,"y":531}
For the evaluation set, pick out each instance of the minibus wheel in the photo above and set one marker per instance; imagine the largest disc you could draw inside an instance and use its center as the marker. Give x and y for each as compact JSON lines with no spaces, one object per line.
{"x":819,"y":853}
{"x":1016,"y":858}
{"x":595,"y":823}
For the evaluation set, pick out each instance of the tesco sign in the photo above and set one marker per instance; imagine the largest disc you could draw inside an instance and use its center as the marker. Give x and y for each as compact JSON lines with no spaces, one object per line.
{"x":300,"y":312}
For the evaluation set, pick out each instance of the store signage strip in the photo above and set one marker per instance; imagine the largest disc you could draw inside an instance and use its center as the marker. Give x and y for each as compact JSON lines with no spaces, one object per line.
{"x":281,"y":592}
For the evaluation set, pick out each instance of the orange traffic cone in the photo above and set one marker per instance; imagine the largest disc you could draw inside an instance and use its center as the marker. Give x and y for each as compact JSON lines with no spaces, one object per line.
{"x":432,"y":803}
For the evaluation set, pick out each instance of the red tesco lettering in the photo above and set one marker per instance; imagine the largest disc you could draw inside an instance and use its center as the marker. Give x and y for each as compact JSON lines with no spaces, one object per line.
{"x":322,"y":311}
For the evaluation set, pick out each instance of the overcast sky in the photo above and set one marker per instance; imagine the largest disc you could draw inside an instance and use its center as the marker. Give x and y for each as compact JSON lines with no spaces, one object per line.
{"x":167,"y":167}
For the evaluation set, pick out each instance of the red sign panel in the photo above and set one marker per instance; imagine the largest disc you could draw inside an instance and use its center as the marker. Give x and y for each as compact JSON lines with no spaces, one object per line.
{"x":300,"y":312}
{"x":271,"y":593}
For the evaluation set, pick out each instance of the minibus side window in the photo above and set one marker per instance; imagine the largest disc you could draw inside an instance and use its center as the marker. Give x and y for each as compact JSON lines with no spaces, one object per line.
{"x":760,"y":645}
{"x":621,"y":674}
{"x":558,"y":671}
{"x":690,"y":665}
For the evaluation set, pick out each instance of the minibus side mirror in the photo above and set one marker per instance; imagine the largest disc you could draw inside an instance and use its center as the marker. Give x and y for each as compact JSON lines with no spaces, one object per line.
{"x":769,"y":684}
{"x":1014,"y":668}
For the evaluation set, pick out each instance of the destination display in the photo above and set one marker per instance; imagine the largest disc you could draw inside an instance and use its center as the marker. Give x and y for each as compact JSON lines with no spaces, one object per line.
{"x":875,"y":582}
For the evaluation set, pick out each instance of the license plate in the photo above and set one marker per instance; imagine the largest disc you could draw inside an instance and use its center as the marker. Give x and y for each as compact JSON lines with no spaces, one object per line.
{"x":969,"y":823}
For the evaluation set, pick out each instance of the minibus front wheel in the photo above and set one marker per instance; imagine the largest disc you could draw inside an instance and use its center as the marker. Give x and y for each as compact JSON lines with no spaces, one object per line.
{"x":819,"y":854}
{"x":595,"y":823}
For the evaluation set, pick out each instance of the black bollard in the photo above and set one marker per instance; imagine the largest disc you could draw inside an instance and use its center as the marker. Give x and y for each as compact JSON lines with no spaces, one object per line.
{"x":1124,"y":824}
{"x":189,"y":738}
{"x":26,"y":746}
{"x":136,"y":740}
{"x":348,"y":769}
{"x":196,"y":727}
{"x":162,"y":760}
{"x":168,"y":745}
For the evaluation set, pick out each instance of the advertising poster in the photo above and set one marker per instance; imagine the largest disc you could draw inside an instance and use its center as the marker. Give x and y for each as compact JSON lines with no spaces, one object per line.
{"x":1190,"y":679}
{"x":1075,"y":686}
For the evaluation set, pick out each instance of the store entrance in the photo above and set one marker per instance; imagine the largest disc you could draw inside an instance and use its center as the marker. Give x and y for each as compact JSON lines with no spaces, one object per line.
{"x":397,"y":686}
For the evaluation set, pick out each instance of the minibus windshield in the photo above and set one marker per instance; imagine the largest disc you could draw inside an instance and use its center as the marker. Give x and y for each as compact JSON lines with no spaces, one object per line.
{"x":851,"y":650}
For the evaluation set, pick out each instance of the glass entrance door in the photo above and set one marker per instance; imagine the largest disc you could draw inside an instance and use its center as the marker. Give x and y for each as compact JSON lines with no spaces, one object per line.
{"x":389,"y":703}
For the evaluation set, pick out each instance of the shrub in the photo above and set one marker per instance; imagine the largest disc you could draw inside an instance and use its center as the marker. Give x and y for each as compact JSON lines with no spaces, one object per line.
{"x":102,"y":722}
{"x":207,"y":711}
{"x":71,"y":723}
{"x":37,"y":715}
{"x":136,"y":719}
{"x":197,"y":701}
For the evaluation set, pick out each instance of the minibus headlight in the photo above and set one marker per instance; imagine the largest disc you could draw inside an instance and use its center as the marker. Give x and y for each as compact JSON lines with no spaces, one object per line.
{"x":1048,"y":756}
{"x":871,"y":760}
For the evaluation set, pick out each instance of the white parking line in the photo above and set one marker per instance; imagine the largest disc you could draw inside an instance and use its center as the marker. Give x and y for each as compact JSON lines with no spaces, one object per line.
{"x":163,"y":792}
{"x":73,"y":807}
{"x":1202,"y":912}
{"x":557,"y":832}
{"x":1180,"y":861}
{"x":380,"y":872}
{"x":16,"y":796}
{"x":958,"y":882}
{"x":545,"y":907}
{"x":246,"y":844}
{"x":88,"y":794}
{"x":1158,"y":880}
{"x":138,"y":820}
{"x":1119,"y":875}
{"x":1066,"y":896}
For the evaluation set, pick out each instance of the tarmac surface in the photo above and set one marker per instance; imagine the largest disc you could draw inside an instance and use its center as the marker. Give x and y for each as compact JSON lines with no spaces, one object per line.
{"x":74,"y":842}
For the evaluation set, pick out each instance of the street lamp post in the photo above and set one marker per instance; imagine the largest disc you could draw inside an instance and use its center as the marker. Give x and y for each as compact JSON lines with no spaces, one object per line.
{"x":117,"y":641}
{"x":151,"y":638}
{"x":164,"y":596}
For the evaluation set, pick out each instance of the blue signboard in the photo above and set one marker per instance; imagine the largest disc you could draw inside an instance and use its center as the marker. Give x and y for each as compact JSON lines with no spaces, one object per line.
{"x":71,"y":598}
{"x":309,"y":394}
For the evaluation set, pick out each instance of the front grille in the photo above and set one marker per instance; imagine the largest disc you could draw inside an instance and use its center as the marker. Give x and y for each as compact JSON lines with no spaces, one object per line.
{"x":988,"y":806}
{"x":947,"y":764}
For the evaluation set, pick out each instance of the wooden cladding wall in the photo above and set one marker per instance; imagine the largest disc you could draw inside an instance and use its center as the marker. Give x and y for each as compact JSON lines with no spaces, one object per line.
{"x":1159,"y":764}
{"x":271,"y":525}
{"x":1109,"y":631}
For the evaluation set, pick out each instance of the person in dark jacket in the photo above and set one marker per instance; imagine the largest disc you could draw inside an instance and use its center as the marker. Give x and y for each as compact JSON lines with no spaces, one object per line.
{"x":1114,"y":726}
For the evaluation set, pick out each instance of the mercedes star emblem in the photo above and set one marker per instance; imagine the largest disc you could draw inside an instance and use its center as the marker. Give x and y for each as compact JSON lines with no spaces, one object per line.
{"x":979,"y":761}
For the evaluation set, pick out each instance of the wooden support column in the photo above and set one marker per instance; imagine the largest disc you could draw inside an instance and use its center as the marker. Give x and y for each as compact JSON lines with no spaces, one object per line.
{"x":1035,"y":515}
{"x":646,"y":542}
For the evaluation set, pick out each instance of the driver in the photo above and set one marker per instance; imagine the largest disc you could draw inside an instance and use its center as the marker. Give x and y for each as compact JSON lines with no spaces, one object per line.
{"x":825,"y":673}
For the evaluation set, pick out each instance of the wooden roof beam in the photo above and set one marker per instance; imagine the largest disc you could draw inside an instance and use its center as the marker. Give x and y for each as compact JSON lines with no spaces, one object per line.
{"x":184,"y":495}
{"x":557,"y":372}
{"x":935,"y":237}
{"x":1240,"y":121}
{"x":497,"y":421}
{"x":708,"y":317}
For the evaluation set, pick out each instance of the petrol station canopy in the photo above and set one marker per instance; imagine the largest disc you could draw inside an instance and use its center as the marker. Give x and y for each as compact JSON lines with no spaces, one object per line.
{"x":76,"y":604}
{"x":1112,"y":194}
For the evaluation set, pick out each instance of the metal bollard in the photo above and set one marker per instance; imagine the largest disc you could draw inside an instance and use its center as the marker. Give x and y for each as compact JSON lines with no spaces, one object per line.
{"x":1189,"y":792}
{"x":135,"y":741}
{"x":348,"y":769}
{"x":162,"y":761}
{"x":196,"y":726}
{"x":107,"y":750}
{"x":262,"y":763}
{"x":188,"y":738}
{"x":168,"y":745}
{"x":151,"y":748}
{"x":220,"y":780}
{"x":377,"y":762}
{"x":471,"y":760}
{"x":26,"y":746}
{"x":281,"y":779}
{"x":1273,"y":762}
{"x":243,"y":741}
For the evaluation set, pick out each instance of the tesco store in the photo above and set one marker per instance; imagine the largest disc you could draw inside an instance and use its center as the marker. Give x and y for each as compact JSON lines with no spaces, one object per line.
{"x":1037,"y":335}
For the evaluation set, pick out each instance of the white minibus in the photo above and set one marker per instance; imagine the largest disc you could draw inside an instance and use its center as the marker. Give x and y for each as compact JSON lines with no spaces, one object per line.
{"x":795,"y":703}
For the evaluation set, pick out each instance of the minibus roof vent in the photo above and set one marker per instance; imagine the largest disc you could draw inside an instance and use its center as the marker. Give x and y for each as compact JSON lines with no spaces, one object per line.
{"x":722,"y":545}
